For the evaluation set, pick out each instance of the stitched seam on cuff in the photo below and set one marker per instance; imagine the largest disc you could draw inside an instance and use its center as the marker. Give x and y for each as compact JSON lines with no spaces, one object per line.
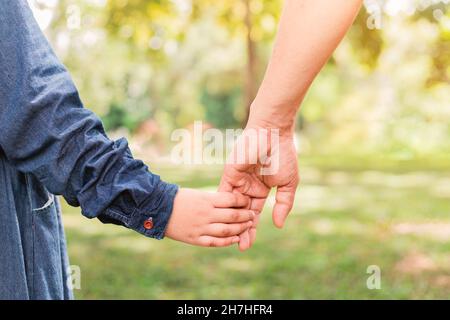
{"x":119,"y":216}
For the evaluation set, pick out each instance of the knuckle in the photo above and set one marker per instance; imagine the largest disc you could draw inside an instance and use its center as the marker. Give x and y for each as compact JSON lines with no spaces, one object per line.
{"x":207,"y":243}
{"x":243,"y":226}
{"x":232,"y":200}
{"x":213,"y":243}
{"x":239,"y":199}
{"x":235,"y":215}
{"x":226,"y":231}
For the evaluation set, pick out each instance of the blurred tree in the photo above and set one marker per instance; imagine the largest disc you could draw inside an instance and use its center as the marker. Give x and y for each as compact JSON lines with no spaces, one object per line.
{"x":440,"y":15}
{"x":252,"y":21}
{"x":220,"y":107}
{"x":177,"y":61}
{"x":367,"y":43}
{"x":147,"y":25}
{"x":150,"y":24}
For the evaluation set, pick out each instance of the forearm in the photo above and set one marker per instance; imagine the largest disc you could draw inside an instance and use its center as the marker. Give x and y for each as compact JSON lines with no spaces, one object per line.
{"x":46,"y":132}
{"x":309,"y":32}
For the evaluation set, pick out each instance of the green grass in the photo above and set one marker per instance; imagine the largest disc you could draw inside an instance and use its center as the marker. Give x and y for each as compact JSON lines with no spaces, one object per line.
{"x":343,"y":221}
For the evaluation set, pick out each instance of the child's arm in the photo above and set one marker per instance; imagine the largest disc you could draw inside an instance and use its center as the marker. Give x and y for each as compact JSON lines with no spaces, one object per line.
{"x":47,"y":133}
{"x":209,"y":219}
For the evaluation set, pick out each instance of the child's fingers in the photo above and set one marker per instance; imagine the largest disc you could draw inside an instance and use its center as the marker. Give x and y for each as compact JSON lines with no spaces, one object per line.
{"x":226,"y":230}
{"x":208,"y":241}
{"x":232,"y":215}
{"x":230,"y":200}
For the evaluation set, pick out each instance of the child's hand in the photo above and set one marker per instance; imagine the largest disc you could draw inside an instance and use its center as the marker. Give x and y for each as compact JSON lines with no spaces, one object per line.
{"x":209,"y":219}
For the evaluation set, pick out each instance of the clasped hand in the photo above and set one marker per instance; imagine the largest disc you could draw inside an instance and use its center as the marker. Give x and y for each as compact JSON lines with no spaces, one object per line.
{"x":264,"y":157}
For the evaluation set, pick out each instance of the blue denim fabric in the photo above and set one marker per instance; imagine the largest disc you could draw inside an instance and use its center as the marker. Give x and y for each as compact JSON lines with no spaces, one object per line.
{"x":51,"y":145}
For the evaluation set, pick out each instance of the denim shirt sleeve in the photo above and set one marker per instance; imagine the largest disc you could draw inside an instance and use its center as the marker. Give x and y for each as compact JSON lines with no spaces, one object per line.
{"x":46,"y":131}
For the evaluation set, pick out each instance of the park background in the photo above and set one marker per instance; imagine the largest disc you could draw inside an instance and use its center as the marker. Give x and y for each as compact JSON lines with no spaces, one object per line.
{"x":372,"y":137}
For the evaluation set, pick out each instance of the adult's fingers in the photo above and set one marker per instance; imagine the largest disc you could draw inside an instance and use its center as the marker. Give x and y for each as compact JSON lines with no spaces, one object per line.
{"x":284,"y":201}
{"x":224,"y":230}
{"x":257,"y":204}
{"x":224,"y":185}
{"x":232,"y":215}
{"x":252,"y":232}
{"x":208,"y":241}
{"x":244,"y":240}
{"x":248,"y":237}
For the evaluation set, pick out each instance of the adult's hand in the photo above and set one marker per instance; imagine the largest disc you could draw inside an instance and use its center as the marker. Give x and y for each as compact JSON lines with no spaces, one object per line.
{"x":321,"y":25}
{"x":263,"y":158}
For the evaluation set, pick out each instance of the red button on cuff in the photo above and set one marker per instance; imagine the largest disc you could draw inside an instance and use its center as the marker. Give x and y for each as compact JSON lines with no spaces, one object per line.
{"x":148,"y":224}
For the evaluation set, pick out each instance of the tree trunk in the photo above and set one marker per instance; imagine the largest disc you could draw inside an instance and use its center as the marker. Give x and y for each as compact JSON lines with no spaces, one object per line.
{"x":251,"y":85}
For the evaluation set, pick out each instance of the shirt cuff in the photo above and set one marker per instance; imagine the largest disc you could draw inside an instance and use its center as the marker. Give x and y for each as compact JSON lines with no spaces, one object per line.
{"x":152,"y":216}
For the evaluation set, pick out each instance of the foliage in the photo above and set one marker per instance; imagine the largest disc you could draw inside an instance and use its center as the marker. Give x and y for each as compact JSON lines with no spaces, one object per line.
{"x":178,"y":61}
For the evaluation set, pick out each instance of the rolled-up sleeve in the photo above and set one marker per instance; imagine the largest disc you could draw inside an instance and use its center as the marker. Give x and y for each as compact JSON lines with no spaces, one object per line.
{"x":46,"y":131}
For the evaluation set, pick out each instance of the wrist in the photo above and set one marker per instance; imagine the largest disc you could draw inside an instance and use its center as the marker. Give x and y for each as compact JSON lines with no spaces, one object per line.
{"x":272,"y":117}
